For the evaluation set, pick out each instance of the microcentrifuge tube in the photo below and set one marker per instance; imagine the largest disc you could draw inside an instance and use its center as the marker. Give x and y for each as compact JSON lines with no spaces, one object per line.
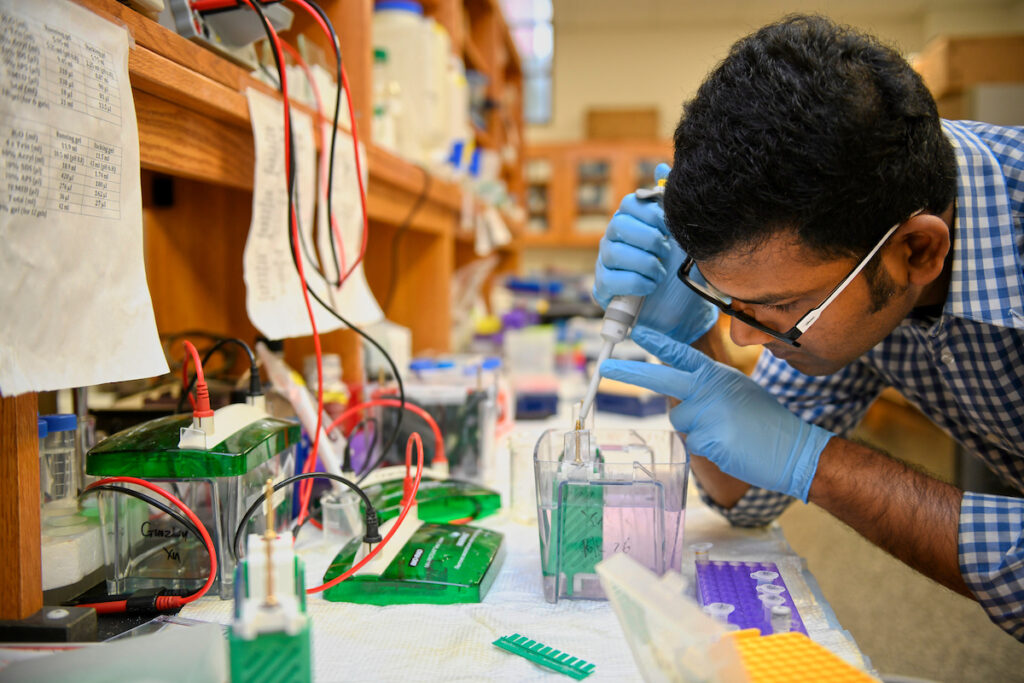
{"x":781,"y":619}
{"x":701,"y":552}
{"x":719,"y":611}
{"x":764,"y":576}
{"x":770,"y":589}
{"x":770,"y":601}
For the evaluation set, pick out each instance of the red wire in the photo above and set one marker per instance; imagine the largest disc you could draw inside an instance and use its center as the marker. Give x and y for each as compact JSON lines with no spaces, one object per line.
{"x":306,"y":494}
{"x":393,"y":403}
{"x":163,"y":602}
{"x":201,"y":403}
{"x":414,"y":440}
{"x":313,"y":454}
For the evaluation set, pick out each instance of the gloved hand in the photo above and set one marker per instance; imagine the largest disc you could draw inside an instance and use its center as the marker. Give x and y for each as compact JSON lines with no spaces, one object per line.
{"x":727,"y":417}
{"x":638,"y":256}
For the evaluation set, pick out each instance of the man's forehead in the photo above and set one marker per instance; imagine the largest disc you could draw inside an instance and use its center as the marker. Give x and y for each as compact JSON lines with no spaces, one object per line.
{"x":774,"y":270}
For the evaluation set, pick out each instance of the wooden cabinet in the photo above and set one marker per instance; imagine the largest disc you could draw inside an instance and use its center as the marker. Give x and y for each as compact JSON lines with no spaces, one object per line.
{"x":195,"y":141}
{"x":951,"y":65}
{"x":572,"y":189}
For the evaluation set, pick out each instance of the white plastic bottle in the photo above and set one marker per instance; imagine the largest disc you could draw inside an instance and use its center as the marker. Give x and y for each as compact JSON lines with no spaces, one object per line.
{"x":459,"y":130}
{"x":387,"y":103}
{"x":400,"y":29}
{"x":437,"y":104}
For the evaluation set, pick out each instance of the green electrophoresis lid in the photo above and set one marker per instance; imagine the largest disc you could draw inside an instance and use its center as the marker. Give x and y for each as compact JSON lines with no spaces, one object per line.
{"x":151,"y":450}
{"x":442,"y":564}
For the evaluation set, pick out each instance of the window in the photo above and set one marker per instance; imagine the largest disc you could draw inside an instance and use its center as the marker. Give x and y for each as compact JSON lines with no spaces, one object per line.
{"x":534,"y":36}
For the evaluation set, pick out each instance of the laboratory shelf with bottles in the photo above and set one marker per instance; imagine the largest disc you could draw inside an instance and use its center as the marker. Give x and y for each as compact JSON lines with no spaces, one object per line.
{"x":196,"y":150}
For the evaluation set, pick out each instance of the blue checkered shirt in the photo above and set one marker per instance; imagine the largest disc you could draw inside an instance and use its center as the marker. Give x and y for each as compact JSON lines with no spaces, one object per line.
{"x":964,"y":369}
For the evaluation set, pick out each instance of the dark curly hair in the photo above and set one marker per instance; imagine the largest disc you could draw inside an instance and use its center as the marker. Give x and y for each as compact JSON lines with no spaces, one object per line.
{"x":809,"y":127}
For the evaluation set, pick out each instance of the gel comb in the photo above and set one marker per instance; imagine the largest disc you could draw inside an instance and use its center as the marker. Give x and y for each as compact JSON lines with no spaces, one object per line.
{"x":545,"y":656}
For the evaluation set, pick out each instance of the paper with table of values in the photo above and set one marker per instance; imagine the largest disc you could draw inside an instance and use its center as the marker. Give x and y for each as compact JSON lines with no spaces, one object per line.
{"x":74,"y":304}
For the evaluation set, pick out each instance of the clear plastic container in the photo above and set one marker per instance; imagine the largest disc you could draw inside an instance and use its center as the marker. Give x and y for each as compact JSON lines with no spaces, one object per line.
{"x":342,"y":518}
{"x":467,"y":417}
{"x":58,"y":481}
{"x":630,"y":498}
{"x":144,"y":548}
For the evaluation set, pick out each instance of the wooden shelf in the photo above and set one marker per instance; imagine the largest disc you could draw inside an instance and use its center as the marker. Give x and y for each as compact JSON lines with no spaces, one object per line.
{"x":571,"y":241}
{"x":483,"y":138}
{"x":950,"y":64}
{"x":474,"y":58}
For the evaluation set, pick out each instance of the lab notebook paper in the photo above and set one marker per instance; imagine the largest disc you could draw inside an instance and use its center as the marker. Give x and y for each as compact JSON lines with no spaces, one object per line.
{"x":73,"y":297}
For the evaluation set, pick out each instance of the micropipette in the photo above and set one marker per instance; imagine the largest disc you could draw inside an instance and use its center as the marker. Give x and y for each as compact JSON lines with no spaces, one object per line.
{"x":619,"y":317}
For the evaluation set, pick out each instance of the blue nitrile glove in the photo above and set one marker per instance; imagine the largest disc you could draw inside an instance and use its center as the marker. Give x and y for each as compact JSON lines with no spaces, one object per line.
{"x":727,"y":417}
{"x":638,"y":256}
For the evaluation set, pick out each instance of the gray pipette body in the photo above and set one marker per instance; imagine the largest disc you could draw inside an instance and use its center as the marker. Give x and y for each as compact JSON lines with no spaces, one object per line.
{"x":619,"y":317}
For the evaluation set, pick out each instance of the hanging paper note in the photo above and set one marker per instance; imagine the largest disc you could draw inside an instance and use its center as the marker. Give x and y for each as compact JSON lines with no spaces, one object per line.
{"x":73,"y":297}
{"x":353,"y":299}
{"x":274,"y":298}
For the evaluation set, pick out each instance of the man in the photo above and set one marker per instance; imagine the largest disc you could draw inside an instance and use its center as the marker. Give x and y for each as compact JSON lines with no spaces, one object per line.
{"x":817,"y":198}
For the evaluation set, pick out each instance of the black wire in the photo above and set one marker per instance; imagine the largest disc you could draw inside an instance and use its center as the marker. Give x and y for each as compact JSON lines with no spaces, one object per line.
{"x":270,"y":74}
{"x":400,"y":232}
{"x":235,"y":548}
{"x":253,"y":370}
{"x":291,"y":245}
{"x":334,"y":134}
{"x":160,"y":505}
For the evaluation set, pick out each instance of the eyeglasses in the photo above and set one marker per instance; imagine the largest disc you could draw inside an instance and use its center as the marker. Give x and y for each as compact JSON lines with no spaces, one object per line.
{"x":804,"y":323}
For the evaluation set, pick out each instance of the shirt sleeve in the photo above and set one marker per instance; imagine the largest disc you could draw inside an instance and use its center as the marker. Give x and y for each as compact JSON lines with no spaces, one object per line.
{"x":836,"y":402}
{"x":991,"y":553}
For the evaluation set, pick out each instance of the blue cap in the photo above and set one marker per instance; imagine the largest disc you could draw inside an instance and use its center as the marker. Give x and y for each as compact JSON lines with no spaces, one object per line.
{"x":491,"y":363}
{"x":455,"y":157}
{"x":445,"y":364}
{"x":421,"y":364}
{"x":474,"y":163}
{"x":43,"y":429}
{"x":61,"y":422}
{"x":400,"y":5}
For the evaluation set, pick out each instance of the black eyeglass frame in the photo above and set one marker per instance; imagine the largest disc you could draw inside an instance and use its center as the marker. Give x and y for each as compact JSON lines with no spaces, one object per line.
{"x":804,"y":323}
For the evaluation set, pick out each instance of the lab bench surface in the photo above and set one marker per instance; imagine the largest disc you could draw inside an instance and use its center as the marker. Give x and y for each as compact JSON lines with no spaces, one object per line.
{"x":454,"y":642}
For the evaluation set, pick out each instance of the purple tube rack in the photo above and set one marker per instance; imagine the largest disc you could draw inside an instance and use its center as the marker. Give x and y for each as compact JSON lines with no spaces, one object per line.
{"x":724,"y":581}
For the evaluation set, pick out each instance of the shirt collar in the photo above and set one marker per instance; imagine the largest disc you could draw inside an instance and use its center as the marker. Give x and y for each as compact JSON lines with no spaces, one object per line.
{"x":986,"y":284}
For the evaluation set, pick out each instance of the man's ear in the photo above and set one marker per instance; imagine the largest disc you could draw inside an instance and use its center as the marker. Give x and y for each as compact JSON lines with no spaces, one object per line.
{"x":921,"y":245}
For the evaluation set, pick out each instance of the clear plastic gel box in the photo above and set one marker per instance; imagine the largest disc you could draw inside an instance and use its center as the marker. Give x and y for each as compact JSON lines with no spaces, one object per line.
{"x":626,"y":494}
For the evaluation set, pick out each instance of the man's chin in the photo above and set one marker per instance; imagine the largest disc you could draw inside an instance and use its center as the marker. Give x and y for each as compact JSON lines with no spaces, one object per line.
{"x":807,"y":365}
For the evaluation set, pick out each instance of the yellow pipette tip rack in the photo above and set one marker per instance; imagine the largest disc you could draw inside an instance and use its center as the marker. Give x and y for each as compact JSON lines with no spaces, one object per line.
{"x":792,"y":657}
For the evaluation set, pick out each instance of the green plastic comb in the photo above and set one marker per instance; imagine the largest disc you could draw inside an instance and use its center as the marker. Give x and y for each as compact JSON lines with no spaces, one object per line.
{"x":545,"y":656}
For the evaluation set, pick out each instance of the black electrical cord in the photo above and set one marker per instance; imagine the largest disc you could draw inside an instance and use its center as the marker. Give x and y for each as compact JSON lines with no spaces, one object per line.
{"x":334,"y":132}
{"x":269,"y":30}
{"x":372,"y":533}
{"x":403,"y":227}
{"x":158,"y":504}
{"x":255,"y":387}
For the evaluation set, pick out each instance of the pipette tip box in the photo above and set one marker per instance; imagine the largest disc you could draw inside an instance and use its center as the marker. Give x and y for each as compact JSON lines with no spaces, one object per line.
{"x":730,"y":582}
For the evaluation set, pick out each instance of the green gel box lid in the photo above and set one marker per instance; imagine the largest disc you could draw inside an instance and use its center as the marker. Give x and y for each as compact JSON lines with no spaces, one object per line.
{"x":151,"y":450}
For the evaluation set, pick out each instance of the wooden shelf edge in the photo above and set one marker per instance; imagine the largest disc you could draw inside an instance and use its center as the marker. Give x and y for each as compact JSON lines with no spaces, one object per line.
{"x":529,"y":240}
{"x":474,"y":58}
{"x":483,"y":138}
